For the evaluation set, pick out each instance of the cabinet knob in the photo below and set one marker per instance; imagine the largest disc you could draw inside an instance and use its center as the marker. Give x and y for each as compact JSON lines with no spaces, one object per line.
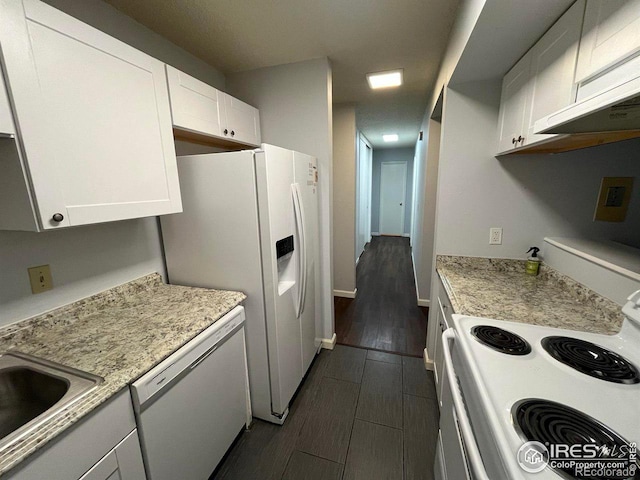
{"x":226,"y":131}
{"x":514,"y":141}
{"x":520,"y":138}
{"x":58,"y":217}
{"x":232,"y":133}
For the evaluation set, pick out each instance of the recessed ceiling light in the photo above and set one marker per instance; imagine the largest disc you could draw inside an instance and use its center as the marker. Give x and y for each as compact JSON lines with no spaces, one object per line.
{"x":391,"y":78}
{"x":390,"y":138}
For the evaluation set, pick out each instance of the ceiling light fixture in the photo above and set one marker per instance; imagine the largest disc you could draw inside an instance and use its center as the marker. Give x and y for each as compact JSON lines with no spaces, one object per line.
{"x":390,"y":138}
{"x":391,"y":78}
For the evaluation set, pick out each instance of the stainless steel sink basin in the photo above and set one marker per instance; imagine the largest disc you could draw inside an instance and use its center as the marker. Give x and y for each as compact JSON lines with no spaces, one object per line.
{"x":33,"y":390}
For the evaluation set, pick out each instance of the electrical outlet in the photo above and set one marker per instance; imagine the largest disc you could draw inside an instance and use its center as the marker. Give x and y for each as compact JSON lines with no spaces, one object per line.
{"x":40,"y":278}
{"x":495,"y":236}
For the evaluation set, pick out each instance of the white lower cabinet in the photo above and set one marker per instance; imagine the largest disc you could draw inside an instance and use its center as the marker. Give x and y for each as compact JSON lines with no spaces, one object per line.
{"x":124,"y":462}
{"x":443,"y":320}
{"x":104,"y":445}
{"x":93,"y":123}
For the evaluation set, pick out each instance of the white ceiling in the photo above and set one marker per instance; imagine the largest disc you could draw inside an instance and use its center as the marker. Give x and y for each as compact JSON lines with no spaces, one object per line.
{"x":358,"y":36}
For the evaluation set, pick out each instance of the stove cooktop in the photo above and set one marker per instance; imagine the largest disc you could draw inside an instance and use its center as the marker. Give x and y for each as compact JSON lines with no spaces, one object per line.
{"x":553,"y":423}
{"x":591,"y":359}
{"x":495,"y":382}
{"x":501,"y":340}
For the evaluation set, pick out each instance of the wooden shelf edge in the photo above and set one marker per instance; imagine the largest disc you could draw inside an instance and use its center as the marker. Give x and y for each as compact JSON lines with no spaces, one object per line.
{"x":207,"y":140}
{"x":578,"y":141}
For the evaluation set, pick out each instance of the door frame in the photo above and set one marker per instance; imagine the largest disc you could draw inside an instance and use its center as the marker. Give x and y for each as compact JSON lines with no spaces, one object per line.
{"x":364,"y":169}
{"x":404,"y":196}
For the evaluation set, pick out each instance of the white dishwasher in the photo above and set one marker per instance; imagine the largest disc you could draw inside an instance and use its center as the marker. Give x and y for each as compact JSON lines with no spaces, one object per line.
{"x":191,"y":406}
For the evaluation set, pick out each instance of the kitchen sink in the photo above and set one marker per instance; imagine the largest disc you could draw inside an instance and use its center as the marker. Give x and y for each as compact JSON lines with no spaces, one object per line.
{"x":33,"y":390}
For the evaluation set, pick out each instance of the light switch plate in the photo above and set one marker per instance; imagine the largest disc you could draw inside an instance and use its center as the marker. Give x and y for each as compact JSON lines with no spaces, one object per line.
{"x":614,"y":198}
{"x":40,"y":278}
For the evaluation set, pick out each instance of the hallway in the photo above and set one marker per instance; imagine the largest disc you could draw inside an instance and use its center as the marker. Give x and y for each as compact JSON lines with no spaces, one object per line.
{"x":384,"y":315}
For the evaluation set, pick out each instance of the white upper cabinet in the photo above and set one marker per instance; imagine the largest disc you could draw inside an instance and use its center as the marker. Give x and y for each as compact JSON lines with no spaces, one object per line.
{"x":611,"y":34}
{"x":242,"y":121}
{"x":201,"y":109}
{"x":513,"y":105}
{"x":6,"y":117}
{"x":541,"y":83}
{"x":195,"y":106}
{"x":553,"y":61}
{"x":93,"y":120}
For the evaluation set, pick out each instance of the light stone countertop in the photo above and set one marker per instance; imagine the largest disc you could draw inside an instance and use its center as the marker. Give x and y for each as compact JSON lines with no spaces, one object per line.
{"x":499,"y":289}
{"x":119,"y":335}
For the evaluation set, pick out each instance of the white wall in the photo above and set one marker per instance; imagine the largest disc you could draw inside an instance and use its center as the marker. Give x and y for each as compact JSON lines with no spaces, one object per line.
{"x":530,"y":196}
{"x":295,"y":112}
{"x":391,"y":155}
{"x":344,"y":198}
{"x":88,"y":260}
{"x":423,"y":230}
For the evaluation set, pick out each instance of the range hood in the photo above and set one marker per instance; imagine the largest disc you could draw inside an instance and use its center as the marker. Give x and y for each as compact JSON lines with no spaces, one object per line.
{"x":614,"y":110}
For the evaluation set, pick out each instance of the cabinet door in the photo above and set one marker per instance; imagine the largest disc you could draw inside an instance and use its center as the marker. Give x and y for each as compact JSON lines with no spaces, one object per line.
{"x":553,"y":61}
{"x":242,"y":121}
{"x":515,"y":93}
{"x":195,"y":106}
{"x":93,"y":116}
{"x":611,"y":33}
{"x":6,"y":118}
{"x":124,"y":462}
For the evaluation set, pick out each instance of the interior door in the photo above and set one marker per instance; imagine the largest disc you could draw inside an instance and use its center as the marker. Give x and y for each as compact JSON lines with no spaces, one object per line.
{"x":393,"y":191}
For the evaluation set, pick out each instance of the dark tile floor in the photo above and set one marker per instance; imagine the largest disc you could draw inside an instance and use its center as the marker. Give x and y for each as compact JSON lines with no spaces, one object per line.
{"x":359,"y":414}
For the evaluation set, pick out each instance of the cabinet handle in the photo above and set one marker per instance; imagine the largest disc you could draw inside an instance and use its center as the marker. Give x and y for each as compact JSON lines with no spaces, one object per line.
{"x":58,"y":217}
{"x":232,"y":133}
{"x":226,"y":131}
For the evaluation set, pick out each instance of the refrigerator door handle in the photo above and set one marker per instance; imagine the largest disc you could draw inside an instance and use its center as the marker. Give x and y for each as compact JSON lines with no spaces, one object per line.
{"x":301,"y":264}
{"x":303,"y":222}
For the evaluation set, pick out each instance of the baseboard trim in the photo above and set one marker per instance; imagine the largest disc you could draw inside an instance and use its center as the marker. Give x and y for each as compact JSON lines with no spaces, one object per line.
{"x":428,"y":363}
{"x":375,"y":234}
{"x":328,"y":344}
{"x":345,"y":293}
{"x":424,"y":303}
{"x":408,"y":235}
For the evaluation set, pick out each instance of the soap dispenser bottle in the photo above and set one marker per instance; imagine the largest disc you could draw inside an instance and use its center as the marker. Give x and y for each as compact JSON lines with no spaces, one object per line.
{"x":533,"y":262}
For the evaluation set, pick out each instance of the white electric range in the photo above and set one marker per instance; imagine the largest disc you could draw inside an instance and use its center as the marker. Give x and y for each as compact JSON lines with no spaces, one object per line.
{"x":509,"y":383}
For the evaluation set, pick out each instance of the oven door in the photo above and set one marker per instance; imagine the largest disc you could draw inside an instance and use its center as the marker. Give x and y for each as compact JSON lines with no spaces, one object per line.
{"x":458,"y":456}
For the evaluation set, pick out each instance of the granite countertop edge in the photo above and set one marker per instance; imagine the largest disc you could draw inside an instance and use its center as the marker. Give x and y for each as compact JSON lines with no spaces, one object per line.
{"x":551,"y":299}
{"x":196,"y":308}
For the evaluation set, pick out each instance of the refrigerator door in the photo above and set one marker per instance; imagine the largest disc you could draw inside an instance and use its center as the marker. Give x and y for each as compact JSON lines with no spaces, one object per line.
{"x":275,"y":175}
{"x":306,"y":180}
{"x":215,"y":243}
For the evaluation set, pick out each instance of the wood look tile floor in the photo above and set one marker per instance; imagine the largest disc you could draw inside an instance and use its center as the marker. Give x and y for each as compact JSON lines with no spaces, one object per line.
{"x":359,"y":414}
{"x":384,"y":315}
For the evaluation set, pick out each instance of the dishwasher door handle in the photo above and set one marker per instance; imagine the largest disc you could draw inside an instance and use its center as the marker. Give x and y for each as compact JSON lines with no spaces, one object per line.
{"x":203,"y":357}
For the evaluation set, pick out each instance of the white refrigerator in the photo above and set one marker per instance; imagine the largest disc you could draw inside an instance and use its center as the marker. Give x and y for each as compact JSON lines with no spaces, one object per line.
{"x":250,"y":223}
